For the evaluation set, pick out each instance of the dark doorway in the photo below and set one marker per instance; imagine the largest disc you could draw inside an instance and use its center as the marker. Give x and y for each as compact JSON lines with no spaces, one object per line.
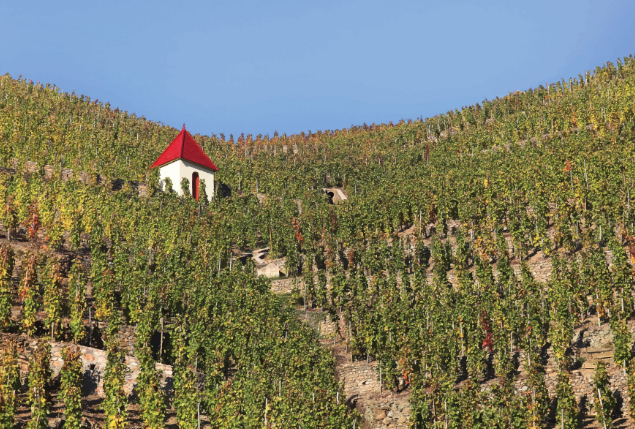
{"x":195,"y":185}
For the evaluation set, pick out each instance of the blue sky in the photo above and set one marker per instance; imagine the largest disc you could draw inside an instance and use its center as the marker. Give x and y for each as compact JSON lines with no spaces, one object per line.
{"x":290,"y":66}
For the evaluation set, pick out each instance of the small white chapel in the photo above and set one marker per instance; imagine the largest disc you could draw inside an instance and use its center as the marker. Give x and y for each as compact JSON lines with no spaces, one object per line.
{"x":184,"y":158}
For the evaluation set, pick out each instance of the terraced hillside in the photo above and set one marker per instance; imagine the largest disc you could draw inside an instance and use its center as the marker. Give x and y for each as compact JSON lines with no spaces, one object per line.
{"x":481,"y":264}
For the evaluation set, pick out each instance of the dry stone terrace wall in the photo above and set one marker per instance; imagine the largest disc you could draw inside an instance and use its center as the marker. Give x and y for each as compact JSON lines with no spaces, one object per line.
{"x":67,"y":174}
{"x":93,"y":364}
{"x":328,"y":329}
{"x":380,"y":409}
{"x":540,"y":268}
{"x":386,"y":411}
{"x":591,"y":343}
{"x":284,"y":285}
{"x":126,"y":333}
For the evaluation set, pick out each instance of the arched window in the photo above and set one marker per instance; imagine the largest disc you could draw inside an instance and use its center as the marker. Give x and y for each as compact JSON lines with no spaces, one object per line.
{"x":195,"y":185}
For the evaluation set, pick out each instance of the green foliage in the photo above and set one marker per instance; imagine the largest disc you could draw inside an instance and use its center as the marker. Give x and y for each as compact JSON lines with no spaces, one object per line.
{"x":103,"y":279}
{"x":6,"y":285}
{"x":38,"y":395}
{"x":561,"y":330}
{"x":168,"y":186}
{"x":603,"y":401}
{"x":185,"y":188}
{"x":53,"y":294}
{"x":630,"y":387}
{"x":71,"y":387}
{"x":567,"y":409}
{"x":152,"y":401}
{"x":187,"y":399}
{"x":203,"y":198}
{"x":9,"y":385}
{"x":8,"y":213}
{"x":76,"y":299}
{"x":622,"y":341}
{"x":538,"y":400}
{"x":29,"y":292}
{"x":115,"y":398}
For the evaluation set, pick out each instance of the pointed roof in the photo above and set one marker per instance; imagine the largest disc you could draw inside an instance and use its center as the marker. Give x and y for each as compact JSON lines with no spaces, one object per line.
{"x":184,"y":147}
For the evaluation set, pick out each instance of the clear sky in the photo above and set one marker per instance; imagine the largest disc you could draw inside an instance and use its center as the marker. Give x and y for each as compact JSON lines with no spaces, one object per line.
{"x":290,"y":66}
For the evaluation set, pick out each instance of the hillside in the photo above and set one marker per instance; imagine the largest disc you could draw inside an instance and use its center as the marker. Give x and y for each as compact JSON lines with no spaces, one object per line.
{"x":480,"y":266}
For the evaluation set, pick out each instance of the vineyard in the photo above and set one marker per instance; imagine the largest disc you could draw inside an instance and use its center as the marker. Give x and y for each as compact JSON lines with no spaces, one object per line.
{"x":471,"y":254}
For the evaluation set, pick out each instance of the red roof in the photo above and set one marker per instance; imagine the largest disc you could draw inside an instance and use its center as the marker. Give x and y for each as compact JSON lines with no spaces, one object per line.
{"x":184,"y":147}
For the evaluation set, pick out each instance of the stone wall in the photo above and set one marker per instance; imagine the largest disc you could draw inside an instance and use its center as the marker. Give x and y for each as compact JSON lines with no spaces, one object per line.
{"x":285,"y":285}
{"x":386,"y":411}
{"x":67,"y":174}
{"x":328,"y":329}
{"x":362,"y":390}
{"x":592,"y":343}
{"x":380,"y":409}
{"x":93,"y":364}
{"x":360,"y":379}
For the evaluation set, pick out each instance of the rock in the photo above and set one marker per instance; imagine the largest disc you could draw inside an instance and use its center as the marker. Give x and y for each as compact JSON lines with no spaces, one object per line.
{"x":269,"y":270}
{"x":56,"y":423}
{"x":380,"y":414}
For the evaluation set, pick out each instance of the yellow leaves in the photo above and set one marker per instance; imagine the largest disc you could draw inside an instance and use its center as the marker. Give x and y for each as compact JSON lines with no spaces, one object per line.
{"x":116,"y":422}
{"x":574,"y":119}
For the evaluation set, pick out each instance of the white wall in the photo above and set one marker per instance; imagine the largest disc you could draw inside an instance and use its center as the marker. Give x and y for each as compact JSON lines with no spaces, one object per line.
{"x":181,"y":168}
{"x":173,"y":171}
